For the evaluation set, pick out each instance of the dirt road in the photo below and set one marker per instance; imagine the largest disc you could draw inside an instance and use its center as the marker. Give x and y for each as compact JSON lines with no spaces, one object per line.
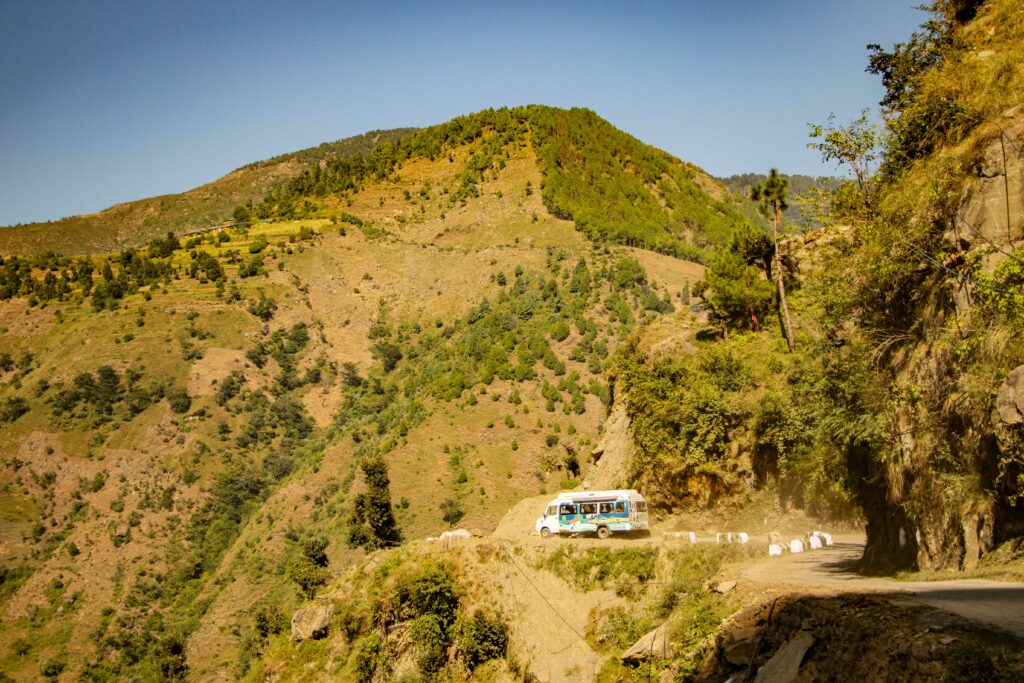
{"x":830,"y":570}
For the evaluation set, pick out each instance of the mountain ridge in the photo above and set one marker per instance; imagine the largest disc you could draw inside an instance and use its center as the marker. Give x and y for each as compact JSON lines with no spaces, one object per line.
{"x":134,"y":222}
{"x":611,"y":184}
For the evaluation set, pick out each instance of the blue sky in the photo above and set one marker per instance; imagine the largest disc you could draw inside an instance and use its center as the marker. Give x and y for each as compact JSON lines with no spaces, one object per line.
{"x":105,"y":102}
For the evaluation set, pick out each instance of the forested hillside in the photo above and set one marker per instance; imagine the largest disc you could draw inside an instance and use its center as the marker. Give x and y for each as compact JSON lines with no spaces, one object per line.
{"x":615,"y":188}
{"x":201,"y":432}
{"x":805,"y":194}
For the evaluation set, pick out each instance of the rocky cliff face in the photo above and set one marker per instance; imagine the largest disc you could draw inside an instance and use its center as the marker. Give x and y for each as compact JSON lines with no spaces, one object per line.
{"x":950,"y":489}
{"x":611,"y":455}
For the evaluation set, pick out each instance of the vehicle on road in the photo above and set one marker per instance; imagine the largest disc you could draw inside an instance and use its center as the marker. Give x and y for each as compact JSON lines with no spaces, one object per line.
{"x":600,"y":512}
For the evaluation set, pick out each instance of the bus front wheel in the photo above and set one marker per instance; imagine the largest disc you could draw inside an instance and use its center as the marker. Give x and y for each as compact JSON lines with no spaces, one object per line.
{"x":545,"y":532}
{"x":603,"y":532}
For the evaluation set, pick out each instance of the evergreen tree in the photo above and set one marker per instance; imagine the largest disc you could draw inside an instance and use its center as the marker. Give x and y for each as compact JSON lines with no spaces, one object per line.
{"x":772,"y":195}
{"x":371,"y":523}
{"x":738,"y":293}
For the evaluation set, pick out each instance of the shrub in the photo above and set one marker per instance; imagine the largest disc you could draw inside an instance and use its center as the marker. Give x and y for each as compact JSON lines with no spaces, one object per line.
{"x":263,"y":307}
{"x":252,"y":267}
{"x":258,"y":244}
{"x":350,"y":374}
{"x":21,"y":647}
{"x":388,"y":354}
{"x":430,"y":643}
{"x":278,"y":464}
{"x":482,"y":639}
{"x":431,"y":590}
{"x":179,"y":399}
{"x":309,"y":577}
{"x":206,"y":265}
{"x":314,"y":549}
{"x":451,"y":512}
{"x":231,"y":386}
{"x":367,"y":658}
{"x":12,"y":408}
{"x":52,"y":668}
{"x":258,"y":355}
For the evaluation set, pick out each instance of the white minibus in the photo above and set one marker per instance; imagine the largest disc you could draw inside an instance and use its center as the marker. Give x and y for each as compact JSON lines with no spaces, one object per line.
{"x":601,"y":512}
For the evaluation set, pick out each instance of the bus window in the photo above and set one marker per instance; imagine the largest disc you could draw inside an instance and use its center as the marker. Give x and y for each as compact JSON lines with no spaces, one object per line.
{"x":588,"y":508}
{"x":567,"y":510}
{"x":551,"y":511}
{"x":620,"y":506}
{"x":605,"y":508}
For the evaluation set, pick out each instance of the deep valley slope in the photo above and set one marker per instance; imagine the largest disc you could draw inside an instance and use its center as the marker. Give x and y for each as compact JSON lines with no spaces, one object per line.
{"x":181,"y":419}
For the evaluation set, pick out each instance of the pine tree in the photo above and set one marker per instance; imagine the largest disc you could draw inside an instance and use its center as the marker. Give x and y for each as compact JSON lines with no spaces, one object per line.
{"x":738,"y":293}
{"x":371,"y":523}
{"x":772,"y":195}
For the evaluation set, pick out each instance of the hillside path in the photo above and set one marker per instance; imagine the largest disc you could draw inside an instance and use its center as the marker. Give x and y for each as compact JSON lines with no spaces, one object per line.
{"x":995,"y":603}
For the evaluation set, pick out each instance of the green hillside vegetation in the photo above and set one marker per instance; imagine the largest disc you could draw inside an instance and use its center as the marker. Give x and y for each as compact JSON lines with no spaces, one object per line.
{"x":415,"y":617}
{"x":184,"y":389}
{"x":259,"y":437}
{"x":907,"y":324}
{"x":805,"y":192}
{"x":618,"y":189}
{"x":134,"y":223}
{"x":615,"y":188}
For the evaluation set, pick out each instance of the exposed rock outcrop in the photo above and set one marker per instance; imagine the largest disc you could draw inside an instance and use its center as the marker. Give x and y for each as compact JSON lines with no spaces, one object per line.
{"x":1010,"y":398}
{"x":785,"y":665}
{"x":312,"y":621}
{"x":998,"y":188}
{"x":611,"y":455}
{"x":652,"y":644}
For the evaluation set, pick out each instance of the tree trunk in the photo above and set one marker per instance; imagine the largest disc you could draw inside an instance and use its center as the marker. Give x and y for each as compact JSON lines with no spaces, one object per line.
{"x":787,"y":323}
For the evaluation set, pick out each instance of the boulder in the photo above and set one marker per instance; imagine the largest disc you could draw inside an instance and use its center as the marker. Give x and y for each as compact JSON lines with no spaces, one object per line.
{"x":784,"y":666}
{"x":725,"y":586}
{"x":774,"y":550}
{"x":312,"y":621}
{"x":450,"y":538}
{"x":796,"y":546}
{"x":1010,"y":397}
{"x":653,"y":644}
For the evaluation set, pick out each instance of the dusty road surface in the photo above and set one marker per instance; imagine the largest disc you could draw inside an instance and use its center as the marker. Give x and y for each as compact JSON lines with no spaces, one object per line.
{"x":995,"y":603}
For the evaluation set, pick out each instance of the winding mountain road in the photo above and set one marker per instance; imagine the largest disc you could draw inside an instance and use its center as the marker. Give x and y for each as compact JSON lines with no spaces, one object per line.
{"x":995,"y":603}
